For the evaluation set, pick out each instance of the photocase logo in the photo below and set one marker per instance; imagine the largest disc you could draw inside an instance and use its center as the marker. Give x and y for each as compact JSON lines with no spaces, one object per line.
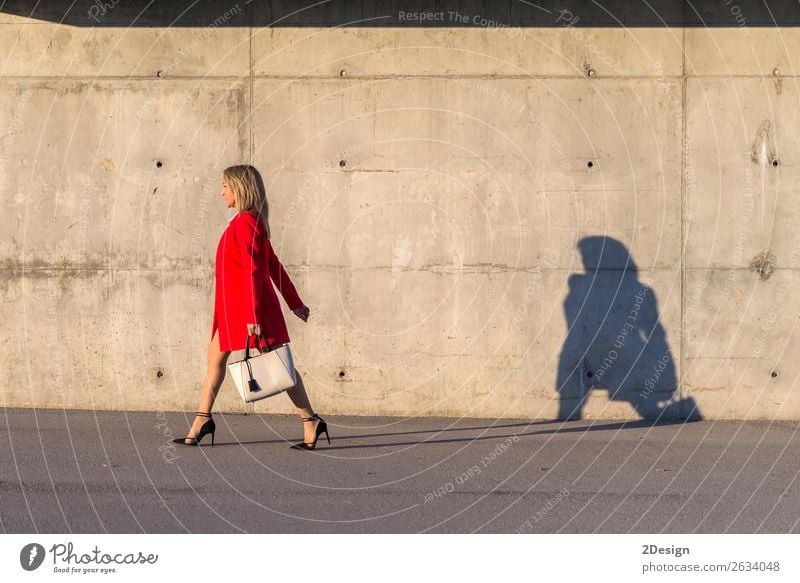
{"x":31,"y":556}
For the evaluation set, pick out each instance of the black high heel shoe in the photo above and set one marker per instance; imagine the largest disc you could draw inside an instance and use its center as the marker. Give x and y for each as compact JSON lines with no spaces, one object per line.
{"x":207,"y":427}
{"x":322,"y":427}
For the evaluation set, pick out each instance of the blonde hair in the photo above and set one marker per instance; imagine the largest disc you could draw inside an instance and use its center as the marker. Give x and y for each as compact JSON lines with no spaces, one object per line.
{"x":248,"y":188}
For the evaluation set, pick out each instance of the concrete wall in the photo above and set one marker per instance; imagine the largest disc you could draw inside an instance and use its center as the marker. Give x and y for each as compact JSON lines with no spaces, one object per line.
{"x":561,"y":218}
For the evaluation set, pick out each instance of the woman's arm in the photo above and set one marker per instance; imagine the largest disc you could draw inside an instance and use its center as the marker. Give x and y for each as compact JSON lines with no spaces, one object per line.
{"x":282,"y":280}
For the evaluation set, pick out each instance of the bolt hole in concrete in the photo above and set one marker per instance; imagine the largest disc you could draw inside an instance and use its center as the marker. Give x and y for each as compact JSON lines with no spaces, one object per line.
{"x":159,"y":374}
{"x":590,"y":164}
{"x":774,"y":374}
{"x":159,"y":164}
{"x":776,"y":163}
{"x":341,"y":374}
{"x":343,"y":73}
{"x":342,"y":163}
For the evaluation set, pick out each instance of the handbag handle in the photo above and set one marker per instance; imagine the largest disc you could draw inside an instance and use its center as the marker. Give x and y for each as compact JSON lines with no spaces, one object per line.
{"x":247,"y":345}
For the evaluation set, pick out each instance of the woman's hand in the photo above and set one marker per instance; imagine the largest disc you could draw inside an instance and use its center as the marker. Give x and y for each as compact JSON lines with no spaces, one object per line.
{"x":253,"y":329}
{"x":302,"y":312}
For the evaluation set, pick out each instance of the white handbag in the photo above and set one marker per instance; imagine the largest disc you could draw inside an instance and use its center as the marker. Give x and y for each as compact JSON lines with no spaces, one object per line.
{"x":264,"y":374}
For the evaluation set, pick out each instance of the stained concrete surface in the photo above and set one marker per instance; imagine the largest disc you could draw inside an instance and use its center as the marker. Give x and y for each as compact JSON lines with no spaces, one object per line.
{"x":432,"y":192}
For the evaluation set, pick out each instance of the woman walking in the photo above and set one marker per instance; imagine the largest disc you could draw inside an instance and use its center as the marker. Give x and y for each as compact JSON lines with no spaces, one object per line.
{"x":245,"y":301}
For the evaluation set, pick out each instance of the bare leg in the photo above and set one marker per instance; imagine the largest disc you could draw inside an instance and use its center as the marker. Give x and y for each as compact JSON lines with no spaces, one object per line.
{"x":300,"y":400}
{"x":214,"y":376}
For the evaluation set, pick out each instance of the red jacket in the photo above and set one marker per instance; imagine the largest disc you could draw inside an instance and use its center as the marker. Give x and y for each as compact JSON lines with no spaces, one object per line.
{"x":243,"y":294}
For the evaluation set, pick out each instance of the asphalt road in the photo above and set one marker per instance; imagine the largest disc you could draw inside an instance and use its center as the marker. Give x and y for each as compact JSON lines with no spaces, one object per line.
{"x":117,"y":472}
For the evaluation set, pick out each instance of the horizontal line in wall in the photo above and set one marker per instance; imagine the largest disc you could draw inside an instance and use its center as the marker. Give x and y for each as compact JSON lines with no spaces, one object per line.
{"x":302,"y":268}
{"x":489,"y":77}
{"x":730,"y":268}
{"x":740,"y":76}
{"x":245,"y":77}
{"x":84,"y":78}
{"x":476,"y":76}
{"x":441,"y":270}
{"x":17,"y":266}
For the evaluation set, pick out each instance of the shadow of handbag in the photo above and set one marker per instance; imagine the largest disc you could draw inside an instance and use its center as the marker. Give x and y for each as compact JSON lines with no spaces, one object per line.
{"x":264,"y":374}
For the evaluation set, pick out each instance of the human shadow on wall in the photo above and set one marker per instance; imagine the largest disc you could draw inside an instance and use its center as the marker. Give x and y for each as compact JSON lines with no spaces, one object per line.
{"x":615,"y":341}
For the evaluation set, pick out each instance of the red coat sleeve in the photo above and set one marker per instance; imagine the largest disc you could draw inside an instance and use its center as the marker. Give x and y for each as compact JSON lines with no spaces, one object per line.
{"x":282,"y":280}
{"x":249,"y":252}
{"x":255,"y":250}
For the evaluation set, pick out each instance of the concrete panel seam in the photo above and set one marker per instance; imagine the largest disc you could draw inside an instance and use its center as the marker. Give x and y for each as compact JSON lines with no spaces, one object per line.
{"x":478,"y":76}
{"x":93,"y":78}
{"x":379,"y":77}
{"x":682,"y":258}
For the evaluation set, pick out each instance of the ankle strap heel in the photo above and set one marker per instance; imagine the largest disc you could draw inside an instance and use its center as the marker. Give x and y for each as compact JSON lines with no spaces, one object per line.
{"x":322,"y":427}
{"x":207,"y":427}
